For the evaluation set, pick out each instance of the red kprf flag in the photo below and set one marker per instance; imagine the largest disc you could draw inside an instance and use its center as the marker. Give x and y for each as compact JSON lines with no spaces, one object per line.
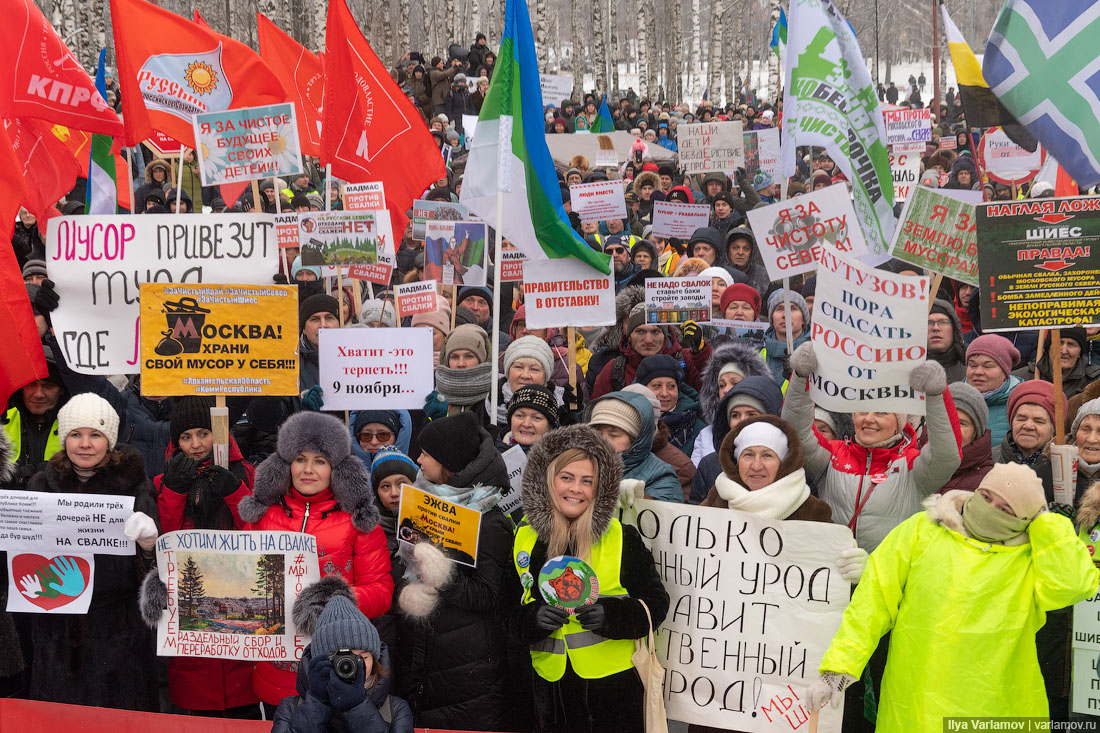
{"x":44,"y":163}
{"x":302,"y":77}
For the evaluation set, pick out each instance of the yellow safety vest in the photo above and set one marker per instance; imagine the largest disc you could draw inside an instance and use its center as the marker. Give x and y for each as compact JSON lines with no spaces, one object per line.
{"x":13,"y":428}
{"x":592,"y":656}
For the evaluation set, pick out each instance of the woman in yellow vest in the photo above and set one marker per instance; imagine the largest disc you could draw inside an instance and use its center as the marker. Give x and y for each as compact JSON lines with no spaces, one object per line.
{"x":583,"y":678}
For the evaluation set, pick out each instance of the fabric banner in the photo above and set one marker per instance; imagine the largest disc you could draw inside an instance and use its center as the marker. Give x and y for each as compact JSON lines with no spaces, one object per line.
{"x":753,"y":606}
{"x":99,"y":262}
{"x":673,"y":219}
{"x":375,"y":368}
{"x":870,"y":330}
{"x":939,"y":234}
{"x":677,"y":299}
{"x":567,"y":292}
{"x":453,"y":528}
{"x":230,"y":593}
{"x":247,"y":144}
{"x":710,"y":146}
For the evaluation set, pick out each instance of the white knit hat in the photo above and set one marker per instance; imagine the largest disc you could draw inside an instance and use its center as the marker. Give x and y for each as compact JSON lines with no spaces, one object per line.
{"x":530,"y":347}
{"x":763,"y":434}
{"x":88,"y":410}
{"x":719,"y":272}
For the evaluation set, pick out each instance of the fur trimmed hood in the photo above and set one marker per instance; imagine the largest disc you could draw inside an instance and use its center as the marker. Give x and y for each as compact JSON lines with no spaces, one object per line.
{"x":946,"y":509}
{"x":794,"y":460}
{"x":643,"y":178}
{"x":625,"y":300}
{"x":1088,"y":508}
{"x":536,"y":494}
{"x":746,"y":358}
{"x":7,"y":465}
{"x":324,"y":434}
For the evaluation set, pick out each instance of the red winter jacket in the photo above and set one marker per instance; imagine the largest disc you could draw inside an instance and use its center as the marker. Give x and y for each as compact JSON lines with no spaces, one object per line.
{"x":693,"y":365}
{"x":361,"y":558}
{"x":198,"y":683}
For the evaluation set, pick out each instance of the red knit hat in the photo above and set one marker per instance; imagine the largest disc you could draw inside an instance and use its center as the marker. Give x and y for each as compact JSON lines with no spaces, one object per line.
{"x":1035,"y":392}
{"x":997,"y":348}
{"x":743,"y":292}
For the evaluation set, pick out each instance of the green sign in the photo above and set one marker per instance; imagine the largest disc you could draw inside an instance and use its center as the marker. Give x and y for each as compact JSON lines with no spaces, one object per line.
{"x":939,"y":234}
{"x":568,"y":582}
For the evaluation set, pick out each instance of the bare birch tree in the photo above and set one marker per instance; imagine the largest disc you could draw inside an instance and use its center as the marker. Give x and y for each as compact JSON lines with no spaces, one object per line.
{"x":714,"y":56}
{"x":642,"y":52}
{"x":599,"y":63}
{"x":580,"y":51}
{"x":542,"y":49}
{"x":773,"y":60}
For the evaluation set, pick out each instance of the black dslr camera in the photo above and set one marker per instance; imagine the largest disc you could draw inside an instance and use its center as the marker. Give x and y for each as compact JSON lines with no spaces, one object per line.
{"x":345,"y":663}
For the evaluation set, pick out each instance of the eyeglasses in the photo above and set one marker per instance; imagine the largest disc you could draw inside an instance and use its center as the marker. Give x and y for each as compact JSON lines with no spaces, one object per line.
{"x":380,"y":437}
{"x":939,"y":323}
{"x":615,"y":250}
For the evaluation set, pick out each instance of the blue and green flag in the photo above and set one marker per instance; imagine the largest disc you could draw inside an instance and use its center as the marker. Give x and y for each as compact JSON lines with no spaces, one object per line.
{"x":603,"y":122}
{"x":102,"y":196}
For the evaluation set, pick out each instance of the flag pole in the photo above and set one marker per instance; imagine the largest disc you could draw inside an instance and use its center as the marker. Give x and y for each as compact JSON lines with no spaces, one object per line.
{"x":494,"y":394}
{"x":179,"y":179}
{"x":130,"y":178}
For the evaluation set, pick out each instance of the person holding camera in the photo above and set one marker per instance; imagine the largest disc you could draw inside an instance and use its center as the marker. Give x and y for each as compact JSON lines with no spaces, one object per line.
{"x":343,"y":677}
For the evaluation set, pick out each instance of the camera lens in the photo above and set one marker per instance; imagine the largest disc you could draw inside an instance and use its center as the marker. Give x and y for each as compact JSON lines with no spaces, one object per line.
{"x":345,"y":665}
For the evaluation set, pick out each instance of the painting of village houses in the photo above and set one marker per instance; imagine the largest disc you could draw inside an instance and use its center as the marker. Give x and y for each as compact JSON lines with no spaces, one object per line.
{"x":232,"y":594}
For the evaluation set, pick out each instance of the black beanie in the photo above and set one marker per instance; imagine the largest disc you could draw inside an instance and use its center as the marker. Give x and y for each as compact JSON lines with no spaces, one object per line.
{"x":536,"y":397}
{"x":658,"y":365}
{"x":453,"y":441}
{"x":189,"y":413}
{"x":317,"y":303}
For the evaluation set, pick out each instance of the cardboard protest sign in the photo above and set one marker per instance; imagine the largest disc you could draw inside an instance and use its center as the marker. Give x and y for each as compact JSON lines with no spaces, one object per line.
{"x":230,"y":593}
{"x":556,"y":88}
{"x":453,"y":528}
{"x":248,"y":143}
{"x":762,"y":153}
{"x":455,"y":252}
{"x":380,"y":271}
{"x":511,"y":265}
{"x":791,"y":233}
{"x":515,"y":459}
{"x":416,"y":297}
{"x":938,"y":233}
{"x":1085,"y":691}
{"x":753,"y":605}
{"x":62,"y":583}
{"x":567,"y":292}
{"x":673,"y":219}
{"x":907,"y":125}
{"x":98,"y":263}
{"x":286,"y":230}
{"x":34,"y":521}
{"x":905,"y":169}
{"x":677,"y":299}
{"x":423,"y":210}
{"x":364,"y":196}
{"x":606,"y":157}
{"x":710,"y":146}
{"x":219,"y":339}
{"x":1040,"y":263}
{"x":376,"y":368}
{"x":1006,"y":162}
{"x":870,"y":330}
{"x":598,"y":201}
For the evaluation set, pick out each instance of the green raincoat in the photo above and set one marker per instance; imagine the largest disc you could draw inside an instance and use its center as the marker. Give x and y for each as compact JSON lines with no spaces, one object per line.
{"x":963,"y":617}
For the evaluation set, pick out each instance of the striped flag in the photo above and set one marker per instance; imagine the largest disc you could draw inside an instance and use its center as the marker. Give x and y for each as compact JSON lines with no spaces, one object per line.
{"x":102,"y":185}
{"x":1041,"y":63}
{"x":510,"y":156}
{"x":779,"y":35}
{"x":603,"y":122}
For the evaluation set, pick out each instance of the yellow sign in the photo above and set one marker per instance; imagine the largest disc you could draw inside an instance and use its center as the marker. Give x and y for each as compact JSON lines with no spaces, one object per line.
{"x":202,"y":339}
{"x":453,"y":528}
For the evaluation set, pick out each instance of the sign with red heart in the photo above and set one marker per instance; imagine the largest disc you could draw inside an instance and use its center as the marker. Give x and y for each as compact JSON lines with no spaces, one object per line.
{"x":59,"y":584}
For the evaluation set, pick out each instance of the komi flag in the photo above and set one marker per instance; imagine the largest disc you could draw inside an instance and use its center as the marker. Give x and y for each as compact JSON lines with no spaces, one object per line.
{"x":603,"y":122}
{"x":830,"y":101}
{"x":1041,"y":63}
{"x":102,"y":186}
{"x":510,"y":155}
{"x":779,"y":35}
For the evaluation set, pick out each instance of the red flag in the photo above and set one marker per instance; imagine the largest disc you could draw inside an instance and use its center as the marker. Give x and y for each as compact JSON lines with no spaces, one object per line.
{"x":48,"y":82}
{"x":1064,"y":185}
{"x":23,"y":360}
{"x":170,"y":68}
{"x":372,"y":131}
{"x":302,"y":77}
{"x":48,"y":169}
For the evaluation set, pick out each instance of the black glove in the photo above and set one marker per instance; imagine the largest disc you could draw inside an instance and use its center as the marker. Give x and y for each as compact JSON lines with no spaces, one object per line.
{"x":693,"y":336}
{"x":572,"y":403}
{"x":179,"y":472}
{"x":591,"y":617}
{"x":319,"y":672}
{"x":280,"y":279}
{"x":346,"y":695}
{"x":223,"y":481}
{"x":46,"y":299}
{"x":551,"y":618}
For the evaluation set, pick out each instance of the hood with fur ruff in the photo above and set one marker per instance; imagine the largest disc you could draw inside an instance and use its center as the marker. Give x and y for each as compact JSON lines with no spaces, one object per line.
{"x":746,"y":358}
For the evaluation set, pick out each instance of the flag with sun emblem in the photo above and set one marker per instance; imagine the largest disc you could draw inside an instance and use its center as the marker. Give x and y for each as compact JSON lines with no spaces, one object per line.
{"x":247,"y":144}
{"x":170,"y":69}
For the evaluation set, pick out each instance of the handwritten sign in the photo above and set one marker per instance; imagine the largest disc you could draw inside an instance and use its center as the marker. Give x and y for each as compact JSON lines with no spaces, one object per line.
{"x":376,"y":368}
{"x":598,"y":201}
{"x":1085,"y":693}
{"x":673,"y":219}
{"x":99,"y":262}
{"x":364,"y":196}
{"x":938,"y":233}
{"x":555,"y":88}
{"x":34,"y":521}
{"x":710,"y":146}
{"x":230,"y":594}
{"x":677,"y":299}
{"x":453,"y":528}
{"x":515,"y":460}
{"x":1006,"y":162}
{"x":905,"y":169}
{"x":248,"y":143}
{"x":567,"y":292}
{"x":416,"y":297}
{"x":907,"y":125}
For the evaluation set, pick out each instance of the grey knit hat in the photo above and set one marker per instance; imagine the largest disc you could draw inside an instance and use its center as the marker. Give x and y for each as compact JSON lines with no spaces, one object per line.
{"x":530,"y":347}
{"x":970,"y":401}
{"x":343,"y":626}
{"x":1092,"y":407}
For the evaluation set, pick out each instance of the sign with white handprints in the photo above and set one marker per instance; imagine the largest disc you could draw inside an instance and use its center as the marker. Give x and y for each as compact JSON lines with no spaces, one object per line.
{"x":40,"y":584}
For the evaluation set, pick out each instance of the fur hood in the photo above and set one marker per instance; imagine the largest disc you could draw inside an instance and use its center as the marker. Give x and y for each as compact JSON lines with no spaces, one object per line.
{"x":744,"y":356}
{"x":643,"y":178}
{"x":946,"y":509}
{"x":1088,"y":508}
{"x":625,"y":300}
{"x":7,"y":462}
{"x":158,"y":163}
{"x":324,"y":434}
{"x":536,"y":494}
{"x":794,"y":460}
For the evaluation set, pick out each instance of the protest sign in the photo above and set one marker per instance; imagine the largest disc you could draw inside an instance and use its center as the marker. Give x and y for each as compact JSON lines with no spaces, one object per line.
{"x":753,"y":605}
{"x":455,"y":252}
{"x":1006,"y":162}
{"x":511,"y":265}
{"x":245,"y":144}
{"x":1085,"y":691}
{"x":415,"y":297}
{"x":710,"y":146}
{"x":230,"y":593}
{"x":219,"y":339}
{"x":751,"y":332}
{"x":567,"y":292}
{"x":1040,"y":263}
{"x":469,"y":127}
{"x":33,"y":521}
{"x":762,"y":153}
{"x":555,"y":89}
{"x":424,"y":210}
{"x":286,"y":230}
{"x":606,"y":157}
{"x":163,"y":145}
{"x":453,"y":528}
{"x":870,"y":330}
{"x":791,"y":233}
{"x":948,"y":143}
{"x":677,"y":299}
{"x":364,"y":196}
{"x":905,"y":169}
{"x":380,"y":271}
{"x":62,"y":583}
{"x":598,"y":201}
{"x":939,"y":234}
{"x":99,"y":262}
{"x":376,"y":368}
{"x":515,"y":460}
{"x":673,"y":219}
{"x":339,"y":237}
{"x":907,"y":125}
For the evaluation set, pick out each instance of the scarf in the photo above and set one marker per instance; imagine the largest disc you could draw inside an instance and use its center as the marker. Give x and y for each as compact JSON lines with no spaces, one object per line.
{"x":480,"y":498}
{"x":1018,"y":455}
{"x":777,"y":500}
{"x":464,"y":387}
{"x":892,"y":440}
{"x":680,"y":426}
{"x":987,"y":523}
